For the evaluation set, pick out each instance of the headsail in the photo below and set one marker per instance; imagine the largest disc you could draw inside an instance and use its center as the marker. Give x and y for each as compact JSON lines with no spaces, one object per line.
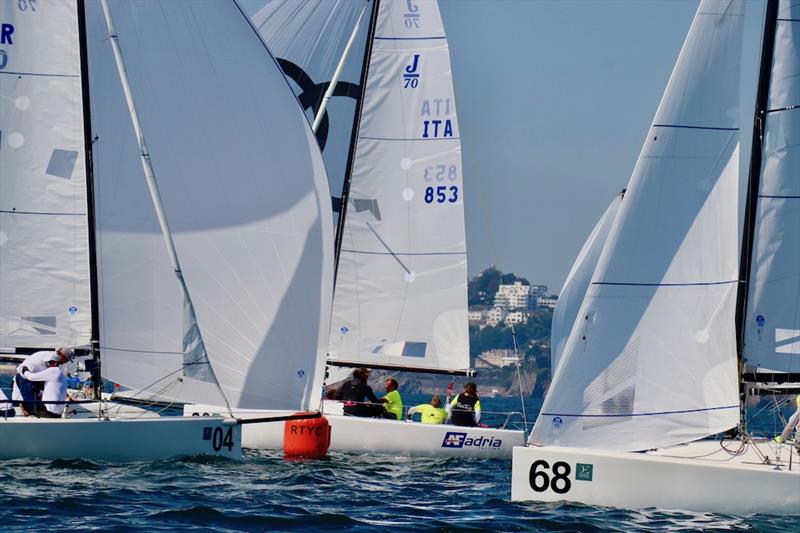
{"x":655,"y":361}
{"x":772,"y":327}
{"x":401,"y":287}
{"x":245,"y":192}
{"x":308,"y":38}
{"x":577,"y":282}
{"x":45,"y":296}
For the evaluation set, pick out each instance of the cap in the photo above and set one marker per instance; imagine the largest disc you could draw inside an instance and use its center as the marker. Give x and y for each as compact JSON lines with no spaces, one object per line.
{"x":69,"y":353}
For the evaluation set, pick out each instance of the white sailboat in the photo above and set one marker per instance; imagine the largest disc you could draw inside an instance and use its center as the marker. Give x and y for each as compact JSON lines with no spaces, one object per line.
{"x":650,"y":367}
{"x":241,"y":197}
{"x":400,"y":299}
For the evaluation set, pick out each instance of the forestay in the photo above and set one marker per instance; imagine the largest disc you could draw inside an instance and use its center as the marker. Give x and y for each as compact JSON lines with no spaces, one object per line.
{"x":245,"y":193}
{"x":44,"y":241}
{"x":654,"y":361}
{"x":772,"y":328}
{"x":401,"y":287}
{"x":577,"y":282}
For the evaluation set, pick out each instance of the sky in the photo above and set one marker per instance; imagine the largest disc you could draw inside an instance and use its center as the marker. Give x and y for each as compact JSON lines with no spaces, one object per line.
{"x":554,"y":100}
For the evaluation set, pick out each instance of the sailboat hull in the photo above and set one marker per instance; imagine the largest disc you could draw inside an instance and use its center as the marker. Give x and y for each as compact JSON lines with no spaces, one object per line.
{"x":119,"y":440}
{"x":352,"y":434}
{"x":700,"y":476}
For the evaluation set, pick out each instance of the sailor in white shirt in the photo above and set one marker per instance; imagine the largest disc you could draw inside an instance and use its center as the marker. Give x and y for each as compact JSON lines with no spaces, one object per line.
{"x":28,"y":391}
{"x":54,"y":392}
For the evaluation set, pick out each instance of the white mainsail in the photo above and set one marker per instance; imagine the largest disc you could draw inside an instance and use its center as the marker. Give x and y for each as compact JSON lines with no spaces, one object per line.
{"x":245,"y":192}
{"x":654,"y":363}
{"x":401,"y":286}
{"x":45,"y":298}
{"x":577,"y":283}
{"x":772,"y":327}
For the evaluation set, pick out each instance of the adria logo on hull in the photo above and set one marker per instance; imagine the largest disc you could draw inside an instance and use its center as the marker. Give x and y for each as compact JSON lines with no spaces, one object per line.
{"x":457,"y":439}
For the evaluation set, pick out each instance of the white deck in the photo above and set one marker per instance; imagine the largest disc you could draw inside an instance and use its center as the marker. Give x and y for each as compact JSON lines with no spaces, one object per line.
{"x":370,"y":435}
{"x":699,"y":476}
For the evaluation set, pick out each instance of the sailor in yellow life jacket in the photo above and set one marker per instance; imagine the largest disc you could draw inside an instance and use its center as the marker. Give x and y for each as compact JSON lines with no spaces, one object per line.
{"x":430,"y":413}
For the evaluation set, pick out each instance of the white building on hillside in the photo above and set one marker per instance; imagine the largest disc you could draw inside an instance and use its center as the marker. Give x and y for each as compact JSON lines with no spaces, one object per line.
{"x":517,"y":317}
{"x":547,"y":302}
{"x":496,"y":315}
{"x":516,"y":296}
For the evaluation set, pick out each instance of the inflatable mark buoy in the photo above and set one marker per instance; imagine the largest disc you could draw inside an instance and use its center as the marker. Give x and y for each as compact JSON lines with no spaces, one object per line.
{"x":306,"y":438}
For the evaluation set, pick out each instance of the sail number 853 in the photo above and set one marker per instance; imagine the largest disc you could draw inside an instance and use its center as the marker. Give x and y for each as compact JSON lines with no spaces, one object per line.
{"x":441,"y":194}
{"x":542,"y":478}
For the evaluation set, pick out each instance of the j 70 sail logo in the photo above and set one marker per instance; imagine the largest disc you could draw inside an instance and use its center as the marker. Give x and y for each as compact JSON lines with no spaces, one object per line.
{"x":411,"y":74}
{"x":411,"y":16}
{"x":457,"y":439}
{"x":6,"y":30}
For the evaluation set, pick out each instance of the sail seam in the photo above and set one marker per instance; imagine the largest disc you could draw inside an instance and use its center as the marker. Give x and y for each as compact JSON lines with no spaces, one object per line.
{"x":11,"y":72}
{"x":54,"y":213}
{"x":688,"y":127}
{"x":693,"y":284}
{"x":658,"y":413}
{"x":403,"y":253}
{"x":404,"y":139}
{"x":410,"y":38}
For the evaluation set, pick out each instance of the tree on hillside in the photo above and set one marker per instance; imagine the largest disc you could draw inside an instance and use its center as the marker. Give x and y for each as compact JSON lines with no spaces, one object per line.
{"x":482,"y":288}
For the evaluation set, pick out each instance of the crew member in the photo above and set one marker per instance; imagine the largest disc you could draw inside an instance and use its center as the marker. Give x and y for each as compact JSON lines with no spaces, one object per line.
{"x":430,"y":413}
{"x":54,"y":391}
{"x":354,"y":392}
{"x":465,"y":409}
{"x":392,"y":401}
{"x":28,"y":391}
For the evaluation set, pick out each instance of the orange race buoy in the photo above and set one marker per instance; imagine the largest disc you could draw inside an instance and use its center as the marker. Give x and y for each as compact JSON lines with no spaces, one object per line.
{"x":307,"y":438}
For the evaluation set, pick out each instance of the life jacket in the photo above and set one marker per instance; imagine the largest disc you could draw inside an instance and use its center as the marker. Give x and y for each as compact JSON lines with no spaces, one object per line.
{"x":463,"y":407}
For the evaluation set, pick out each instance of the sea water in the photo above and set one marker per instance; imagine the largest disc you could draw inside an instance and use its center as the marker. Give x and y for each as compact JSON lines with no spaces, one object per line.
{"x":352,"y":492}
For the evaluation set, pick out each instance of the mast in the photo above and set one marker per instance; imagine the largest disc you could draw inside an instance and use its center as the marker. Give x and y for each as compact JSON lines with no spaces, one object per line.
{"x":152,"y":186}
{"x":754,"y":176}
{"x":337,"y":244}
{"x":88,"y":143}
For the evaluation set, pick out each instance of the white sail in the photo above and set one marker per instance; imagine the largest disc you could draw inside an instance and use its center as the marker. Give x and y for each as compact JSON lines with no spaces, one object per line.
{"x":401,"y":286}
{"x":772,"y":327}
{"x":577,"y":283}
{"x":654,"y":363}
{"x":309,"y":39}
{"x":44,"y":248}
{"x":245,"y":193}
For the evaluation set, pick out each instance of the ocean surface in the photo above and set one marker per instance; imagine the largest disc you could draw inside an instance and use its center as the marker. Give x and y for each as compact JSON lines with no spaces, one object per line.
{"x":350,"y":492}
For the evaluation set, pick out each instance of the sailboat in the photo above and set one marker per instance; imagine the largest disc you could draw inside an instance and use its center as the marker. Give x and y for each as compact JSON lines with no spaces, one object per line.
{"x":650,"y":369}
{"x":173,"y":281}
{"x":400,"y":298}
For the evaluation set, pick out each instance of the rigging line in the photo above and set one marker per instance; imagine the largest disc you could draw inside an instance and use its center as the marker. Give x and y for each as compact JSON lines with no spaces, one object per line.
{"x":388,"y":249}
{"x":783,"y":197}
